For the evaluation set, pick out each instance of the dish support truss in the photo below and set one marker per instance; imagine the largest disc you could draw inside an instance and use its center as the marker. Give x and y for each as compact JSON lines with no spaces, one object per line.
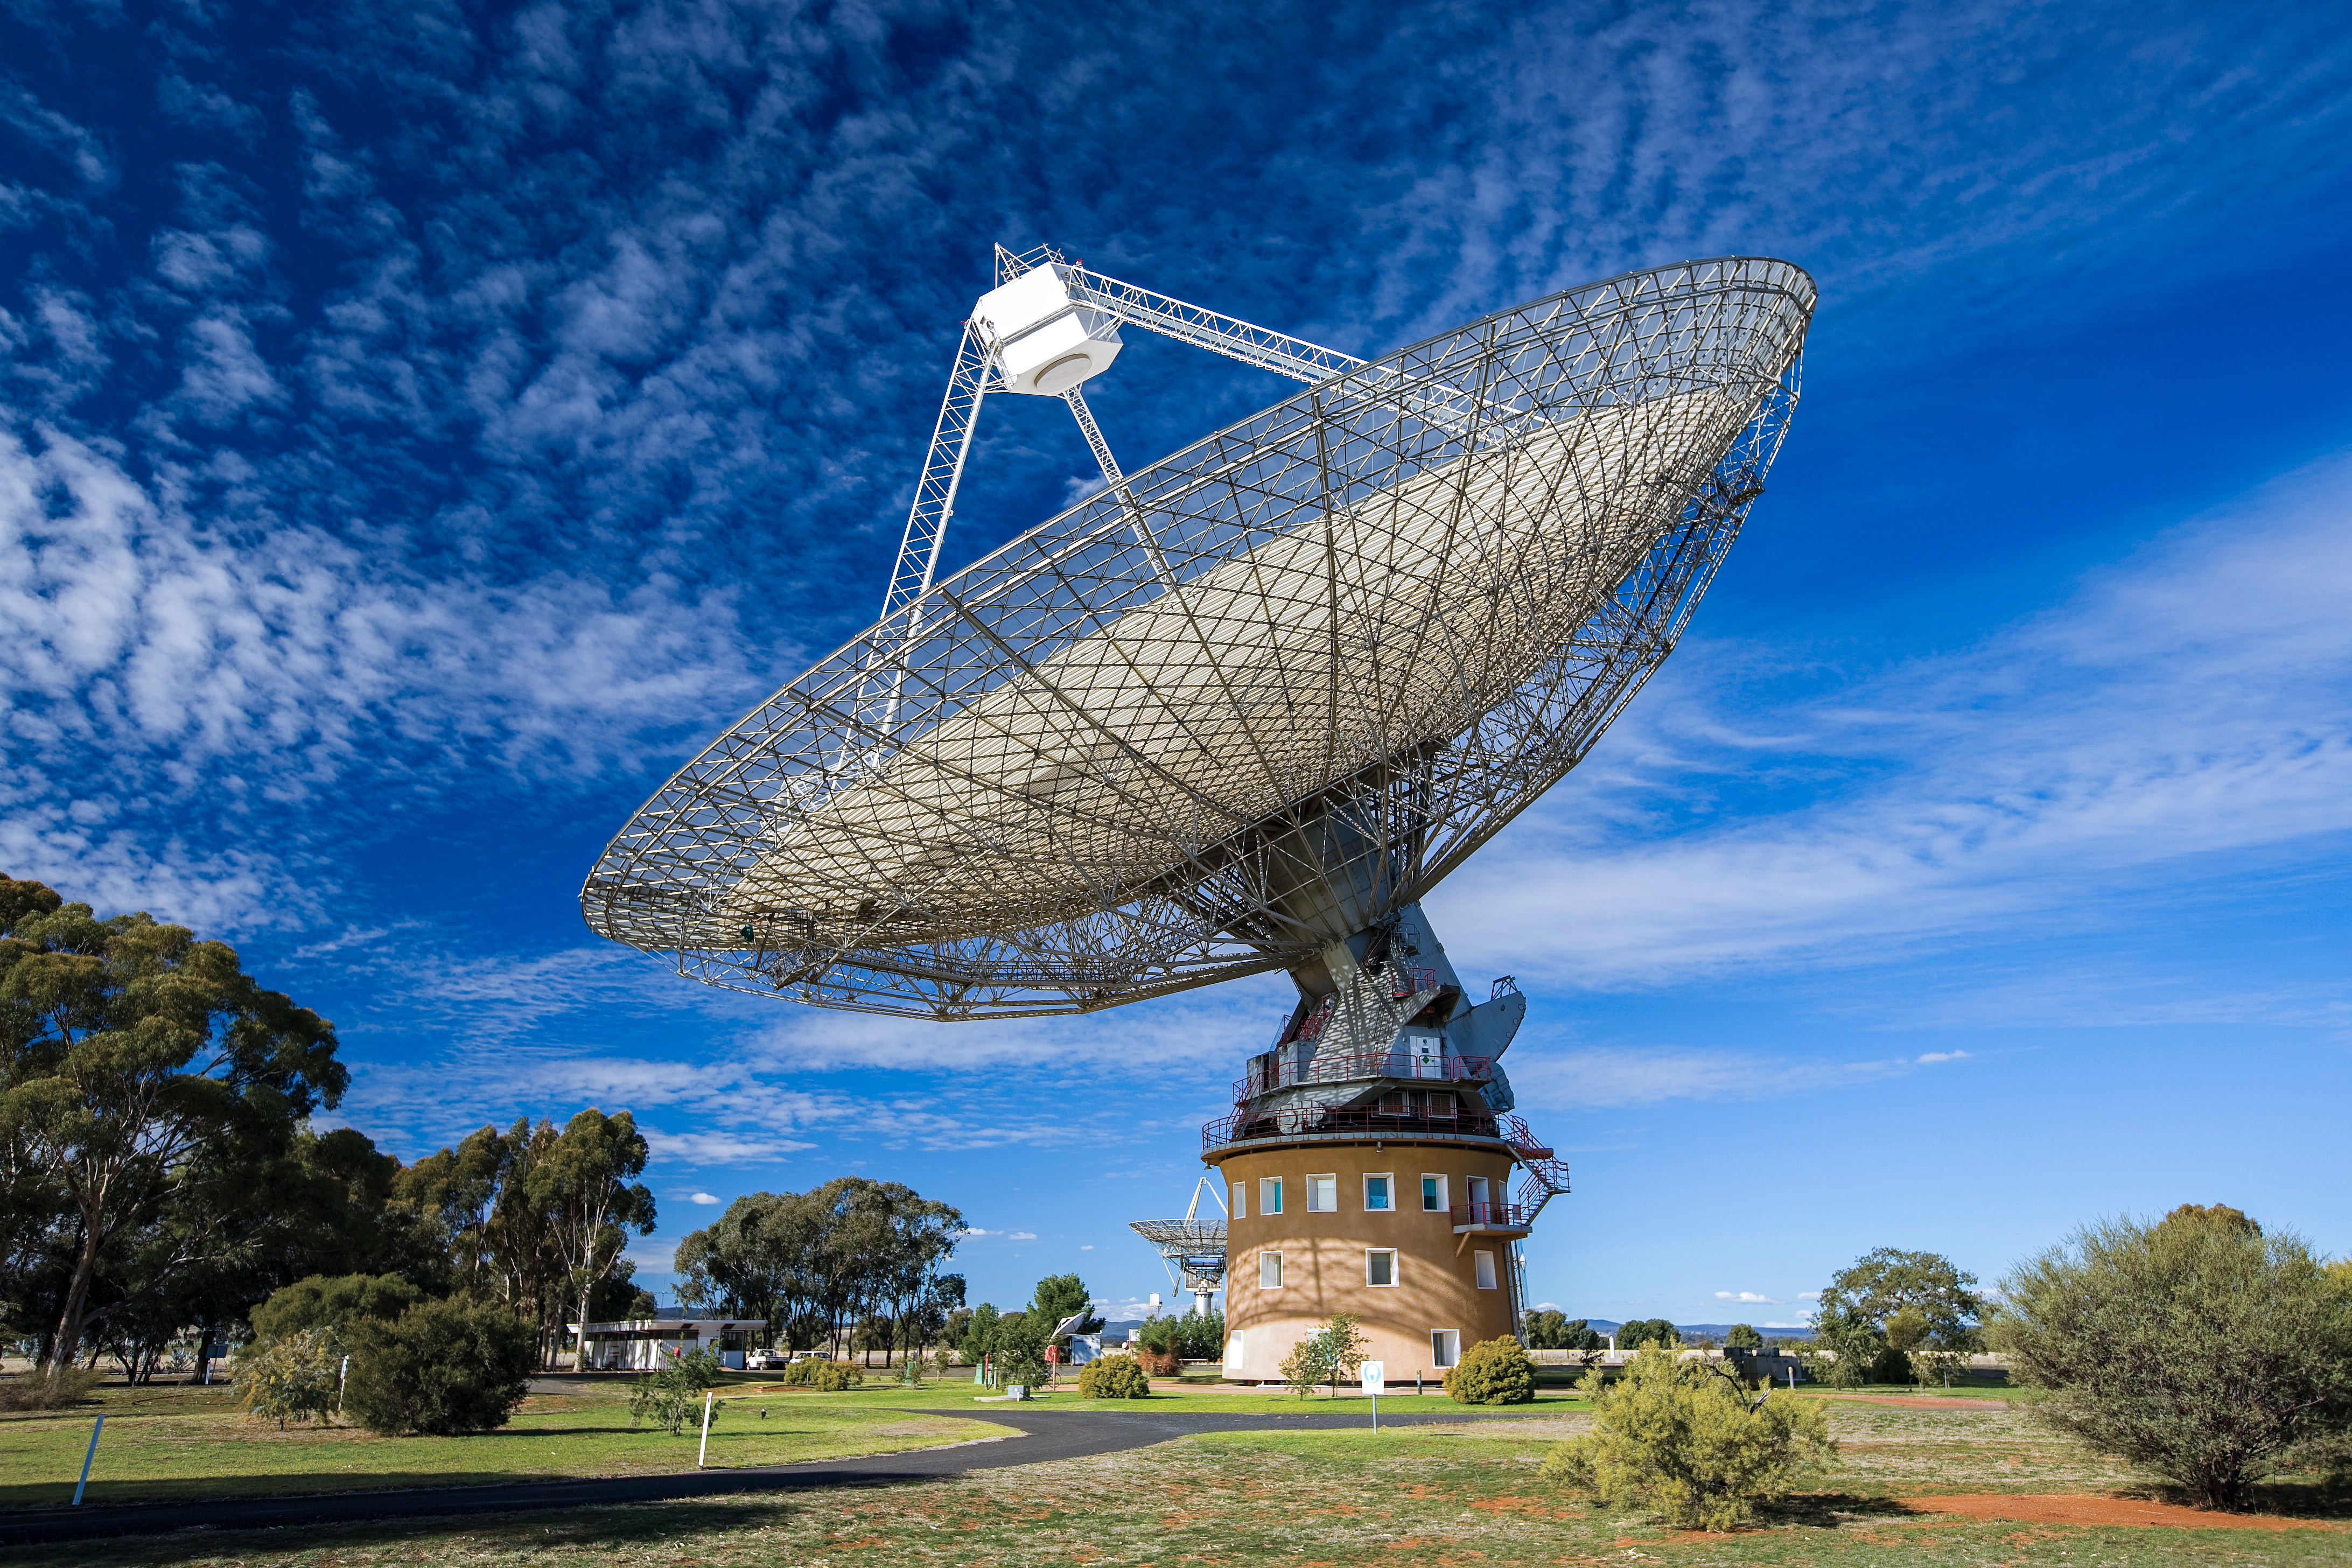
{"x":960,"y":921}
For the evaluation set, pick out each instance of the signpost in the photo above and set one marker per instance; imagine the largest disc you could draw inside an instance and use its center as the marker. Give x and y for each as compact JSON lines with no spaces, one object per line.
{"x":100,"y":1425}
{"x":1375,"y":1376}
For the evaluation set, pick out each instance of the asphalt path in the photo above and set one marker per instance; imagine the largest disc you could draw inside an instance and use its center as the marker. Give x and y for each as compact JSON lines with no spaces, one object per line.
{"x":1045,"y":1435}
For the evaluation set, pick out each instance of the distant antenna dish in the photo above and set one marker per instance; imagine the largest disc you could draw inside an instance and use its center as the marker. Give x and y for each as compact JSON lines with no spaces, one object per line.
{"x":1191,"y":1248}
{"x":1247,"y":701}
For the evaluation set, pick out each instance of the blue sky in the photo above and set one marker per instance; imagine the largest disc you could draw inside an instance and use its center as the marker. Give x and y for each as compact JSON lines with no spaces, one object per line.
{"x":423,"y":425}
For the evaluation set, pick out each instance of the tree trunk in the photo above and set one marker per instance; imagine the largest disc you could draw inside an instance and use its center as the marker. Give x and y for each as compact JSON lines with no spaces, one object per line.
{"x":69,"y":1320}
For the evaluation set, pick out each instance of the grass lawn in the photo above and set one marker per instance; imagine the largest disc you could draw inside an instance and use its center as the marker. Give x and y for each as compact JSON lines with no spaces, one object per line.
{"x":1462,"y":1493}
{"x":171,"y":1442}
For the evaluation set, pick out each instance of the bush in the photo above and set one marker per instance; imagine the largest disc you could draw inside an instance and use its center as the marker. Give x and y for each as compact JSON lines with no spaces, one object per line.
{"x":1493,"y":1371}
{"x":1159,"y":1363}
{"x":1113,"y":1377}
{"x":1332,"y":1352}
{"x":824,"y":1376}
{"x":670,"y":1393}
{"x":1686,"y":1440}
{"x":2199,"y":1348}
{"x":51,"y":1391}
{"x":319,"y":1302}
{"x":441,"y":1367}
{"x":293,"y":1377}
{"x":1021,"y":1349}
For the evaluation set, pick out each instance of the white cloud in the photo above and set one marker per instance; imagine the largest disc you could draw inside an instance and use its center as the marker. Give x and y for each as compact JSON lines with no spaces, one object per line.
{"x":706,"y":1199}
{"x":1020,"y":1236}
{"x":1746,"y":1297}
{"x":2184,"y":704}
{"x":1088,"y":1248}
{"x":719,"y":1148}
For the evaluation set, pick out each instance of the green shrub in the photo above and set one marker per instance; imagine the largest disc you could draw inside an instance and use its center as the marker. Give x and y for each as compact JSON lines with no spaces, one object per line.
{"x":1021,"y":1349}
{"x":440,"y":1367}
{"x":291,"y":1377}
{"x":1686,"y":1440}
{"x":670,"y":1393}
{"x":824,"y":1376}
{"x":1493,"y":1371}
{"x":321,"y":1302}
{"x":1113,"y":1377}
{"x":2198,"y":1347}
{"x":54,"y":1390}
{"x":1333,"y":1352}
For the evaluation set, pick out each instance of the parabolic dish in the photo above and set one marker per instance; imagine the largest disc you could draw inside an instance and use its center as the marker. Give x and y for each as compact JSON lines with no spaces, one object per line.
{"x":1281,"y":685}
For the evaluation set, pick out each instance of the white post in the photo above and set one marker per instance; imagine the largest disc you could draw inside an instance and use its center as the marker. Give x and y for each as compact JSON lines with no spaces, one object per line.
{"x":704,"y":1452}
{"x":343,"y":1377}
{"x":96,"y":1427}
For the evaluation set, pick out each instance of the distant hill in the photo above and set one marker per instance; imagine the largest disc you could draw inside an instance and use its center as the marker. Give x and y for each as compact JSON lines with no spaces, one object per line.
{"x":1705,"y":1331}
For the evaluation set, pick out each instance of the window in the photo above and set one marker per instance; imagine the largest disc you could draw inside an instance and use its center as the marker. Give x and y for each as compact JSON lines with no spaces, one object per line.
{"x":1481,"y":1211}
{"x":1485,"y":1265}
{"x":1233,"y":1352}
{"x":1269,"y":1196}
{"x":1322,"y":1194}
{"x":1378,"y":1191}
{"x":1432,"y":1195}
{"x":1379,"y":1265}
{"x":1269,"y":1271}
{"x":1241,"y":1200}
{"x":1444,"y":1348}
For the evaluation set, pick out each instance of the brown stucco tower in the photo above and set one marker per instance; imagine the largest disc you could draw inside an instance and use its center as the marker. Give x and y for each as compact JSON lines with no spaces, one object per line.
{"x":1369,"y":1163}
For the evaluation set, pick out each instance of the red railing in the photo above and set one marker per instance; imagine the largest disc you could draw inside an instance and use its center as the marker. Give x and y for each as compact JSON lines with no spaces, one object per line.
{"x":1495,"y":1216}
{"x":1312,"y":1024}
{"x":1364,"y":1065}
{"x":1406,"y":980}
{"x":1547,"y":1172}
{"x":1327,"y":1122}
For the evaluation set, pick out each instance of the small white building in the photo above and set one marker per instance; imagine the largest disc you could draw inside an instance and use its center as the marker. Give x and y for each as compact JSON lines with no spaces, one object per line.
{"x":641,"y":1344}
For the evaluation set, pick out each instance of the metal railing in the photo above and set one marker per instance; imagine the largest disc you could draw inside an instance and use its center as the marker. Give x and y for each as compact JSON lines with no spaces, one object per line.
{"x":1280,"y":1074}
{"x":1327,"y":1122}
{"x":1496,"y":1217}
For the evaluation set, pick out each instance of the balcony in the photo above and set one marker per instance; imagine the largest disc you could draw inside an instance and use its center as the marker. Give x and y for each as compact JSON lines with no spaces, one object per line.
{"x":1364,"y":1065}
{"x":1493,"y":1216}
{"x":1309,"y":1123}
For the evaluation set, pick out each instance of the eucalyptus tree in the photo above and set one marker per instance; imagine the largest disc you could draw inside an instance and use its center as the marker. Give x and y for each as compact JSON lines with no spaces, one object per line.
{"x":582,"y":1190}
{"x":138,"y":1065}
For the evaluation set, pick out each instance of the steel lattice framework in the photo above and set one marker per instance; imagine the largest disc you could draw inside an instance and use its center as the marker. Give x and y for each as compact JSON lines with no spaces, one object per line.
{"x":1247,"y":700}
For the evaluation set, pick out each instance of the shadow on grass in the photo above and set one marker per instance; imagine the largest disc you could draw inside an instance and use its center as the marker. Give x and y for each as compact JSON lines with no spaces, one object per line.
{"x":1829,"y":1510}
{"x":614,"y":1530}
{"x":2293,"y":1497}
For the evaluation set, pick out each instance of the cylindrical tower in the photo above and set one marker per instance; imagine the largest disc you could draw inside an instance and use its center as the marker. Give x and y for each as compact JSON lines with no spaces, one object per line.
{"x":1368,"y":1164}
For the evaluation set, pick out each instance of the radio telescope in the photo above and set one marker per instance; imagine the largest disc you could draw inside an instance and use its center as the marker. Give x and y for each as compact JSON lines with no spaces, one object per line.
{"x":1239,"y":712}
{"x":1193,"y":1248}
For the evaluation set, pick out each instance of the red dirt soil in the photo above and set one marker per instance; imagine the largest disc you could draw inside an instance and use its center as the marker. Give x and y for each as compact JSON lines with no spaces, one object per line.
{"x":2075,"y":1508}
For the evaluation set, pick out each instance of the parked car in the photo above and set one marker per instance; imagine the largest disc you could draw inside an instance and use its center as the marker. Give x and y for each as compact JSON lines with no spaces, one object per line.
{"x":765,"y":1361}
